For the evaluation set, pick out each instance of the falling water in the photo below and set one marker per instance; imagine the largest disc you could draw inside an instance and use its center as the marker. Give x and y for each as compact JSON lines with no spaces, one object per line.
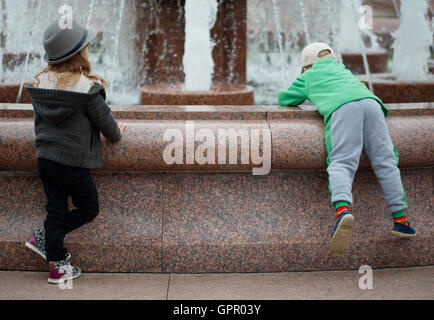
{"x":279,"y":40}
{"x":412,"y":39}
{"x":334,"y":37}
{"x":91,"y":8}
{"x":368,"y":72}
{"x":233,"y":51}
{"x":20,"y":91}
{"x":116,"y":46}
{"x":348,"y":27}
{"x":26,"y":57}
{"x":200,"y":17}
{"x":395,"y":5}
{"x":1,"y":38}
{"x":303,"y":19}
{"x":363,"y":49}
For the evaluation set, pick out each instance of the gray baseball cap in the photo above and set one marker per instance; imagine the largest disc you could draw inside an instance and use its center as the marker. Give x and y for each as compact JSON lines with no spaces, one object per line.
{"x":61,"y":44}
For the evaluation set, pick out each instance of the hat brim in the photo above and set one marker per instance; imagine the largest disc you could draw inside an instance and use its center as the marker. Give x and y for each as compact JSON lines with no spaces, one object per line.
{"x":91,"y":35}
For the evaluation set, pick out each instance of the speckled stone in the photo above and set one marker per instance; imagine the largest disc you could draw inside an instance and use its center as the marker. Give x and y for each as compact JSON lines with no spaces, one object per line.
{"x":297,"y":136}
{"x":11,"y":60}
{"x":377,"y":61}
{"x":220,"y":94}
{"x":283,"y":222}
{"x":390,"y":90}
{"x":193,"y":218}
{"x":9,"y":93}
{"x":212,"y":222}
{"x":125,"y":237}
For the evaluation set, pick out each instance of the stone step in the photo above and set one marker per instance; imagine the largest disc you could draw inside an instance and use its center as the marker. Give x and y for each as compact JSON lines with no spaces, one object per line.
{"x":387,"y":284}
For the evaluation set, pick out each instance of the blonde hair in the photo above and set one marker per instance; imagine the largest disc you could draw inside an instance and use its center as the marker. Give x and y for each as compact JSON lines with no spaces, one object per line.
{"x":68,"y":73}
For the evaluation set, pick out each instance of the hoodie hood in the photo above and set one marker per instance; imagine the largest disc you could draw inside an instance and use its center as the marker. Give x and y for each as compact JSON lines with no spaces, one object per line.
{"x":55,"y":106}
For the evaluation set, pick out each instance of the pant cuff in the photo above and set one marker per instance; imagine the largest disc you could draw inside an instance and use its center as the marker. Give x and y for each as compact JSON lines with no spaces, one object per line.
{"x":339,"y":204}
{"x":398,"y":214}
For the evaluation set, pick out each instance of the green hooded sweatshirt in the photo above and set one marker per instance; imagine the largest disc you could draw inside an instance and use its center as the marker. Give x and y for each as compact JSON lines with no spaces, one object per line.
{"x":328,"y":85}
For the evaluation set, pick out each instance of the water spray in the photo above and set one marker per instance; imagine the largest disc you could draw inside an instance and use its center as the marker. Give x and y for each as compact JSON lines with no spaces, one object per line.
{"x":279,"y":40}
{"x":20,"y":91}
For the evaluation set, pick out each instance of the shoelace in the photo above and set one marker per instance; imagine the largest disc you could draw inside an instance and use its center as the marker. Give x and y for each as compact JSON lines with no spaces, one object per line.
{"x":402,"y":221}
{"x":64,"y":265}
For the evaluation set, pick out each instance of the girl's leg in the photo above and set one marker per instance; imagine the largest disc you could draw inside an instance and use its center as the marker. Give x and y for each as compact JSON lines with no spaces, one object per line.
{"x":85,"y":199}
{"x":57,"y":209}
{"x":59,"y":182}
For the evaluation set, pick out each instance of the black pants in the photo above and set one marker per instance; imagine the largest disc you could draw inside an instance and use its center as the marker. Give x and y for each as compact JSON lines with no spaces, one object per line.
{"x":59,"y":182}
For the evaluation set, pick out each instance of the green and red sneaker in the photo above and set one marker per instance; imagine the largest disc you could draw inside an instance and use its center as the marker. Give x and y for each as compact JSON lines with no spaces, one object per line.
{"x":341,"y":232}
{"x":403,"y":230}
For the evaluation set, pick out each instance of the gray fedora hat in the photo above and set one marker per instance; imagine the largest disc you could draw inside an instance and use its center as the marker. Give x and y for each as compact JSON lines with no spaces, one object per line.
{"x":62,"y":44}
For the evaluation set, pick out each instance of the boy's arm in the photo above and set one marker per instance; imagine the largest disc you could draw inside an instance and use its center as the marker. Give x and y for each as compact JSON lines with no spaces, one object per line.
{"x":295,"y":95}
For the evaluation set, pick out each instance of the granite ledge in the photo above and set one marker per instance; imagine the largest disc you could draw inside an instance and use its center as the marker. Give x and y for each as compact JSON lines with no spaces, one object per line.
{"x":144,"y":112}
{"x":296,"y":136}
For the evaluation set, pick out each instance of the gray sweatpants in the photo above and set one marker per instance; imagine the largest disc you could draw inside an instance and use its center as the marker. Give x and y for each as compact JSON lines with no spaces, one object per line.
{"x":355,"y":126}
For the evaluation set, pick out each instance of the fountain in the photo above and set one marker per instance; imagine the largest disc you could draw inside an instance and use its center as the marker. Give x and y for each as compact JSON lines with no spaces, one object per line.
{"x":116,"y":43}
{"x":188,"y":82}
{"x":410,"y":80}
{"x":310,"y":21}
{"x":23,"y":59}
{"x":199,"y":207}
{"x":200,"y":17}
{"x":14,"y":58}
{"x":353,"y":49}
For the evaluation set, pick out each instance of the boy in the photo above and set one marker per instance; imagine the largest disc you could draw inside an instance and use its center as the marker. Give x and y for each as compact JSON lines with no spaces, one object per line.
{"x":355,"y":120}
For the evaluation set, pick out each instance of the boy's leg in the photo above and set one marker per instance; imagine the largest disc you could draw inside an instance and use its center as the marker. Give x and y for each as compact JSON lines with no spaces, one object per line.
{"x":381,"y":153}
{"x":57,"y":209}
{"x":345,"y":144}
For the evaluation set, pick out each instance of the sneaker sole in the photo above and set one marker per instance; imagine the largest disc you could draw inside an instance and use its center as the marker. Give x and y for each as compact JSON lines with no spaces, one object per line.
{"x":34,"y":249}
{"x":402,"y":235}
{"x":339,"y":242}
{"x":61,"y":280}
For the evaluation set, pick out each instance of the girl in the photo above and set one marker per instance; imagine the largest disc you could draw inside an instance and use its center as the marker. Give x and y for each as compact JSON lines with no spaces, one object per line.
{"x":70,"y":112}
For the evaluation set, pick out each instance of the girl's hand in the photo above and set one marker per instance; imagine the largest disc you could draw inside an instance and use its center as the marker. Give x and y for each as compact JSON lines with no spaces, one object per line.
{"x":122,"y":127}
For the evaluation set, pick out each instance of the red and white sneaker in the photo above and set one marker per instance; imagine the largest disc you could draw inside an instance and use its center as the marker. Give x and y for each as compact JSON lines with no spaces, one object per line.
{"x":61,"y":271}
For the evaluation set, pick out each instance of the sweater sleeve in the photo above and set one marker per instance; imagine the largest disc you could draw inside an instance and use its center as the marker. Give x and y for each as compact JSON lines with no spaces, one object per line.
{"x":295,"y":95}
{"x":101,"y":116}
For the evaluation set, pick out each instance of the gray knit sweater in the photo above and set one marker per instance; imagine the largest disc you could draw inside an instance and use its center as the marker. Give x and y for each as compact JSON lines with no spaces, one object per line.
{"x":68,"y":125}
